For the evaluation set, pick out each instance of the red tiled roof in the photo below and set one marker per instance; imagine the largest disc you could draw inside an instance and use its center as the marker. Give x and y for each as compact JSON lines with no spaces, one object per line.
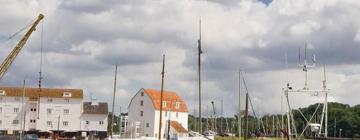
{"x":34,"y":93}
{"x":169,"y":97}
{"x":178,"y":127}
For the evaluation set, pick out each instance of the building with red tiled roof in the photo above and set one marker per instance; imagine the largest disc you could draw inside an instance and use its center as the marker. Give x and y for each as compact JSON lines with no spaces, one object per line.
{"x":144,"y":114}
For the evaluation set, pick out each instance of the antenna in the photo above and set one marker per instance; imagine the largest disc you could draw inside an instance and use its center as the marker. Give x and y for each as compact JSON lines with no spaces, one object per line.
{"x":200,"y":29}
{"x":305,"y":54}
{"x":305,"y":66}
{"x":291,"y":129}
{"x":299,"y":57}
{"x":324,"y":82}
{"x":287,"y":67}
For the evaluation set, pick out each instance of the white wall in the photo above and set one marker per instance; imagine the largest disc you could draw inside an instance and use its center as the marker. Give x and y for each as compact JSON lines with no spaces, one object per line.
{"x":94,"y":122}
{"x":182,"y":119}
{"x":7,"y":114}
{"x":151,"y":116}
{"x":57,"y":116}
{"x":134,"y":115}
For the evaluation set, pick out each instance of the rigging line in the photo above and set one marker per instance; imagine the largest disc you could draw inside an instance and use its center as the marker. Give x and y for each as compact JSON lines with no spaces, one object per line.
{"x":307,"y":121}
{"x":21,"y":30}
{"x":211,"y":64}
{"x":247,"y":92}
{"x":310,"y":120}
{"x":252,"y":108}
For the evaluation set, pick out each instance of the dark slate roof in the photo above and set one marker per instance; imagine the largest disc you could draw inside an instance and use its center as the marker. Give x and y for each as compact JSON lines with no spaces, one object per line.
{"x":100,"y":108}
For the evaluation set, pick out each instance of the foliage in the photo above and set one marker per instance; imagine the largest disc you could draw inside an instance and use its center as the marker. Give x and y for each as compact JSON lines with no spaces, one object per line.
{"x":340,"y":116}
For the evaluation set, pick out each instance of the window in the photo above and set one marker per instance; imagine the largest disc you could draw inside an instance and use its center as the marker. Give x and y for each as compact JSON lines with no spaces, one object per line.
{"x":177,"y":114}
{"x":67,"y":94}
{"x":101,"y":122}
{"x":142,"y":103}
{"x":67,"y":100}
{"x":33,"y":109}
{"x":0,"y":109}
{"x":49,"y":111}
{"x":147,"y":125}
{"x":32,"y":121}
{"x":147,"y":135}
{"x":66,"y":111}
{"x":49,"y":123}
{"x":0,"y":122}
{"x":49,"y":100}
{"x":141,"y":113}
{"x":16,"y":110}
{"x":2,"y":92}
{"x":15,"y":122}
{"x":142,"y":93}
{"x":177,"y":105}
{"x":65,"y":123}
{"x":166,"y":113}
{"x":87,"y":122}
{"x":164,"y":103}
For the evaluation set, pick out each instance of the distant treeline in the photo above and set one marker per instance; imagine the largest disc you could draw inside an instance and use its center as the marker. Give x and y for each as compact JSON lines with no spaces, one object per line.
{"x":340,"y":117}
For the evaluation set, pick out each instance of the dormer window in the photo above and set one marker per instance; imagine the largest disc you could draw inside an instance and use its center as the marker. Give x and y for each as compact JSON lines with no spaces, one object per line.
{"x":177,"y":105}
{"x":67,"y":94}
{"x":2,"y":93}
{"x":164,"y":103}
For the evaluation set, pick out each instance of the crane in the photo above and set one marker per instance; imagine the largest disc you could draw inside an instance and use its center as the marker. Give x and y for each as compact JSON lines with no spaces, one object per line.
{"x":11,"y":57}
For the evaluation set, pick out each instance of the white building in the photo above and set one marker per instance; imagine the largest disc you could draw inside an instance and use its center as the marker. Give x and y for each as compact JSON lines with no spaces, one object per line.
{"x":94,"y":118}
{"x":144,"y":115}
{"x":49,"y":110}
{"x":123,"y":120}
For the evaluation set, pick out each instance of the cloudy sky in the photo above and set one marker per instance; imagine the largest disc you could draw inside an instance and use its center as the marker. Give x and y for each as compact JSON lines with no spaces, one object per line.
{"x":84,"y":39}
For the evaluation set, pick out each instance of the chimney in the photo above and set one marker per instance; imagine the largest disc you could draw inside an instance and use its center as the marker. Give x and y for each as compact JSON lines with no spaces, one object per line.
{"x":94,"y":101}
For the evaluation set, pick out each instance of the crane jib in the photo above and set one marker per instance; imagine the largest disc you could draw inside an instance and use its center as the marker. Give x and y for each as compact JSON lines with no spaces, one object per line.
{"x":11,"y":57}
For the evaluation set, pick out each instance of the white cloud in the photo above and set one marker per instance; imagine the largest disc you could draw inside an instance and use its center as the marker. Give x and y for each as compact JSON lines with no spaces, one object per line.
{"x":84,"y":39}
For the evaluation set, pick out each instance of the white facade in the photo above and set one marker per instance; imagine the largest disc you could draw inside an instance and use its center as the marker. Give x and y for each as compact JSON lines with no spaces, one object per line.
{"x":59,"y":114}
{"x":144,"y":117}
{"x":10,"y":113}
{"x":94,"y":122}
{"x":53,"y":111}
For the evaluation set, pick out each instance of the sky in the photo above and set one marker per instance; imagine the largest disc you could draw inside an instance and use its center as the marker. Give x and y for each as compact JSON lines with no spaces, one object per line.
{"x":82,"y":40}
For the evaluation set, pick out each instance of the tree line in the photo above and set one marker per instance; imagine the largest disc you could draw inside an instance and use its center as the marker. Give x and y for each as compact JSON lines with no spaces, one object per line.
{"x":343,"y":121}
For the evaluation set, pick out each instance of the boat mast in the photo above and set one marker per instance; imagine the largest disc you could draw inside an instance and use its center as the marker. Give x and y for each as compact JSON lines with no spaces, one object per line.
{"x":199,"y":76}
{"x":239,"y":116}
{"x":246,"y":116}
{"x":113,"y":104}
{"x":23,"y":112}
{"x":161,"y":95}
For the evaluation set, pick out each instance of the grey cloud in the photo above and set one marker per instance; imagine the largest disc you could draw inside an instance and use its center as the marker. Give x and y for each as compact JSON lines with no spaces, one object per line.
{"x":134,"y":34}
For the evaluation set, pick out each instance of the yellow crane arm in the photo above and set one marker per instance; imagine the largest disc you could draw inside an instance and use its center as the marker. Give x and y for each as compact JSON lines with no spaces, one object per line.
{"x":11,"y":57}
